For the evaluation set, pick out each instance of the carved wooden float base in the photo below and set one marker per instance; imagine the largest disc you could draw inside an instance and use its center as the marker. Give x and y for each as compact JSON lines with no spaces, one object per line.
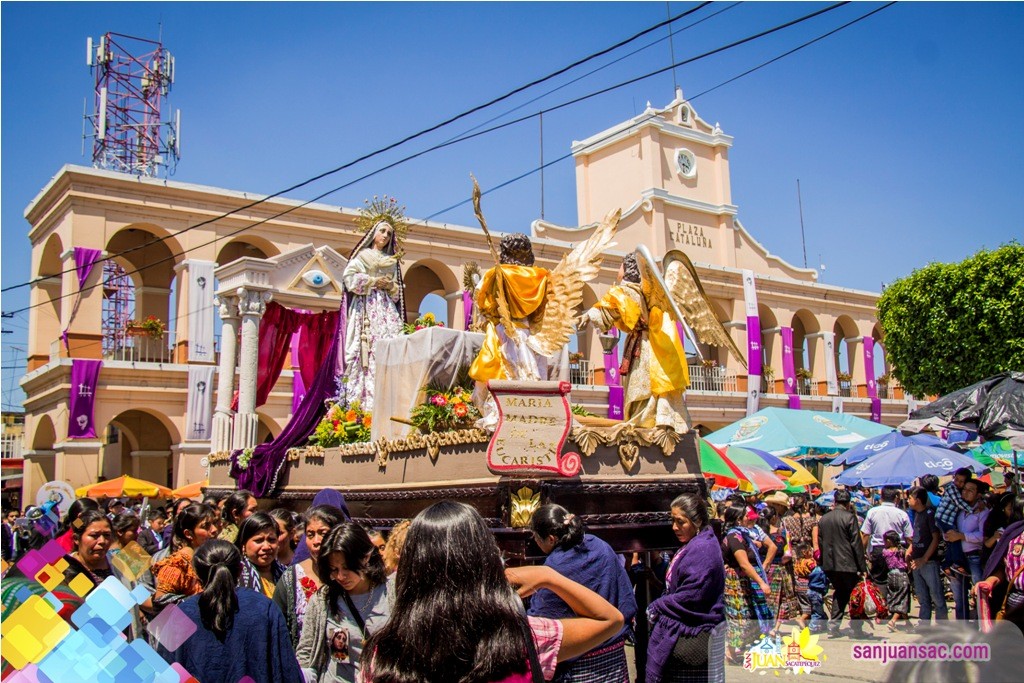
{"x":628,"y":479}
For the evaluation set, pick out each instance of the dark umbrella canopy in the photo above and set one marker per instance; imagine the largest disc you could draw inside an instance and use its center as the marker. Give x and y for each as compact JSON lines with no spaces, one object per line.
{"x":993,"y":407}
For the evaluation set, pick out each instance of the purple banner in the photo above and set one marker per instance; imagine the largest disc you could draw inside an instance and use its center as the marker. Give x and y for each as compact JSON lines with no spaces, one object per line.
{"x":788,"y":367}
{"x":84,"y":375}
{"x":467,"y":309}
{"x":85,"y":259}
{"x":298,"y":388}
{"x":616,"y":402}
{"x":754,"y":354}
{"x":869,"y":368}
{"x":794,"y":402}
{"x":876,"y":409}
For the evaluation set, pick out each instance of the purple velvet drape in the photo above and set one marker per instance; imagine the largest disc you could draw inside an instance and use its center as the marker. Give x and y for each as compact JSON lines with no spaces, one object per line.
{"x":276,"y":329}
{"x":268,"y":459}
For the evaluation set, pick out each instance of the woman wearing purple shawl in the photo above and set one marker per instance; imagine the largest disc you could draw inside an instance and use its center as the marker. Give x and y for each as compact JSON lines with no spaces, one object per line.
{"x":687,"y":641}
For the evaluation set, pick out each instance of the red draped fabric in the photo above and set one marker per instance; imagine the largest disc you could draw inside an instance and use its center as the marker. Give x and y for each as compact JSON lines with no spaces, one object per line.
{"x":276,"y":329}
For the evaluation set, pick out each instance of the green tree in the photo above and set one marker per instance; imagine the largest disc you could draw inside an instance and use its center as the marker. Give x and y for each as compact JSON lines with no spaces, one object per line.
{"x":949,"y":325}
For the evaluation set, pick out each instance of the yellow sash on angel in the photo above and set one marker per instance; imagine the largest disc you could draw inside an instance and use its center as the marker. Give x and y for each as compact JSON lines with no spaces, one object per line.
{"x":621,"y":308}
{"x":526,"y":293}
{"x":668,"y":359}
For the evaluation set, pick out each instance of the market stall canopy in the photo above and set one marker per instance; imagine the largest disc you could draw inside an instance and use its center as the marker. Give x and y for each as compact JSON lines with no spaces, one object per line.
{"x":993,"y":407}
{"x":901,"y":466}
{"x":879,"y":444}
{"x":123,"y":486}
{"x":798,"y":433}
{"x":194,"y":490}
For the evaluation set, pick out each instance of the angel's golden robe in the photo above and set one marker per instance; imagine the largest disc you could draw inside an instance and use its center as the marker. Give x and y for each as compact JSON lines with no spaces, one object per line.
{"x":525,"y":291}
{"x":655,"y":385}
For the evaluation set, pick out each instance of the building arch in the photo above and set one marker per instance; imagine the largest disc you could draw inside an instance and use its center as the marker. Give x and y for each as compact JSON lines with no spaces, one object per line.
{"x":45,"y":434}
{"x":252,"y":246}
{"x":846,"y":339}
{"x":769,"y":340}
{"x":429,"y":276}
{"x":51,"y":267}
{"x":268,"y":428}
{"x":805,"y":327}
{"x":140,"y":445}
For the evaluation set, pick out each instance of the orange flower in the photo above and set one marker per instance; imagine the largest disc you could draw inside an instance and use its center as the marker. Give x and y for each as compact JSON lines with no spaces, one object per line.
{"x":367,"y":421}
{"x":350,"y":416}
{"x":460,"y":410}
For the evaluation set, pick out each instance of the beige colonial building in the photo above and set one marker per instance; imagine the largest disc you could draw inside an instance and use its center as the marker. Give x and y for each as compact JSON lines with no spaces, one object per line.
{"x":667,"y":169}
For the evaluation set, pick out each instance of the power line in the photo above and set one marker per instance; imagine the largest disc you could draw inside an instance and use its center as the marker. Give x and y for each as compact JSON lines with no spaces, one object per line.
{"x":387,"y":148}
{"x":462,"y":139}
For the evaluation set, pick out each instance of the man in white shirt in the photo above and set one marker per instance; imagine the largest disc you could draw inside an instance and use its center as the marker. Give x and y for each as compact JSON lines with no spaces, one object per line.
{"x":881,"y":519}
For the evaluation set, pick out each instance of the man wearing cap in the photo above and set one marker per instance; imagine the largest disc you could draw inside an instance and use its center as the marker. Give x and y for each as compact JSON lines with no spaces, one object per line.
{"x":115,"y":506}
{"x":880,"y":520}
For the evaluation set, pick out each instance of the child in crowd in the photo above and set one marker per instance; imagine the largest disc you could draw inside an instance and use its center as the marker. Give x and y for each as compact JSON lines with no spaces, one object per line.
{"x":898,"y":581}
{"x":811,"y":586}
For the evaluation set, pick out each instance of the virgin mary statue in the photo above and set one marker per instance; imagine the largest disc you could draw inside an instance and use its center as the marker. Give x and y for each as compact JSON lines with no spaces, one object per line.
{"x":374,"y":299}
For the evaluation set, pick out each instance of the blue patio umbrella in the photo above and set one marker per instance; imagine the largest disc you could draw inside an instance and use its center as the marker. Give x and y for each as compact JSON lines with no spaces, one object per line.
{"x":901,"y":466}
{"x":798,"y":433}
{"x":860,"y":503}
{"x":879,"y":444}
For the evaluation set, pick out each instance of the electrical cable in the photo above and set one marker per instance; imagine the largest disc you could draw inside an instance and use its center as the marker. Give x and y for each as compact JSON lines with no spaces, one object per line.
{"x":387,"y":148}
{"x":473,"y":135}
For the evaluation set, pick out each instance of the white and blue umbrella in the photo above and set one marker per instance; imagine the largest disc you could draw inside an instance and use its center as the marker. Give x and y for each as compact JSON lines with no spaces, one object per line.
{"x":860,"y":503}
{"x":884,"y":442}
{"x":901,"y":466}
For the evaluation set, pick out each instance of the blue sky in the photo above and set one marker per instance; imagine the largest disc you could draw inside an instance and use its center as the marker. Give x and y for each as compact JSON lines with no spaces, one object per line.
{"x":904,"y":129}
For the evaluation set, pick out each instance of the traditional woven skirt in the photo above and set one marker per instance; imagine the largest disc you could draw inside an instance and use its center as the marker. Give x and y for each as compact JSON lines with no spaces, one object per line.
{"x":713,"y":671}
{"x":783,"y":598}
{"x":746,"y":611}
{"x":603,"y":664}
{"x":898,"y":600}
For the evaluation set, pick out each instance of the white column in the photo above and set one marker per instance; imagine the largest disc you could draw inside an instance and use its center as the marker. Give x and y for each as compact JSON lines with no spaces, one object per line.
{"x":220,"y":439}
{"x":251,"y":305}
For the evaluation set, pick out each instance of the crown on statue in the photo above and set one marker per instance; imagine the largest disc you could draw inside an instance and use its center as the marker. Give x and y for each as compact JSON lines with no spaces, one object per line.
{"x":383,"y":208}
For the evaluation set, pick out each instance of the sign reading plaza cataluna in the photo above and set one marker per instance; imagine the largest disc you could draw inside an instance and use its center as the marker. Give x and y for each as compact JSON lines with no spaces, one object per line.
{"x":533,"y":423}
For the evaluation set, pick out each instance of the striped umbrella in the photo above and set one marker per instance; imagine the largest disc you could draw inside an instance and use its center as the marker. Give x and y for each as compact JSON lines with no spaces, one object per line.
{"x":719,"y":468}
{"x":801,"y":477}
{"x":754,"y":469}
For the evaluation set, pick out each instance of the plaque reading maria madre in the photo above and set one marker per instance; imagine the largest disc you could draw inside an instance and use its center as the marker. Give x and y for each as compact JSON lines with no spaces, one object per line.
{"x":534,"y":420}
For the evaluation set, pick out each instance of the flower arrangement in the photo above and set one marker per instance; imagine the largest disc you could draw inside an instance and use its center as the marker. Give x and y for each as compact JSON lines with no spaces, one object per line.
{"x":422,"y":322}
{"x":575,"y":356}
{"x":804,"y":373}
{"x":709,"y":363}
{"x":768,"y":372}
{"x":152,"y":326}
{"x":844,"y":377}
{"x":884,"y":379}
{"x":342,"y":424}
{"x":580,"y":410}
{"x":445,"y":410}
{"x":244,"y":457}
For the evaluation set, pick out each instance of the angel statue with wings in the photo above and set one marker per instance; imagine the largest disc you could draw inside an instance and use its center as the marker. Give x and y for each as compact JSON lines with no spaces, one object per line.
{"x":528,"y":309}
{"x":647,"y":308}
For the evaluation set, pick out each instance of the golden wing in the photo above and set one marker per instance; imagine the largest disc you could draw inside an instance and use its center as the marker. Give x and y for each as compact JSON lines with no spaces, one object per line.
{"x":565,"y":288}
{"x":686,"y":291}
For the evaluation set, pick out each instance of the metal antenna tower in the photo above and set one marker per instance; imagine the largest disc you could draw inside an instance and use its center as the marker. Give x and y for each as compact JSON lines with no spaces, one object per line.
{"x":118,"y":309}
{"x":132,"y":79}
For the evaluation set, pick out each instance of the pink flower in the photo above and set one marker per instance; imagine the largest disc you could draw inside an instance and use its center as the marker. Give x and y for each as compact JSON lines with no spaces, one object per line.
{"x":439,"y":400}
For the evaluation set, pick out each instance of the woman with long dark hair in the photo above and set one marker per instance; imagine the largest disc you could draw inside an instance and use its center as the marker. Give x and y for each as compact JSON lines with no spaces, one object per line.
{"x":257,"y":540}
{"x":237,"y":507}
{"x":1004,"y":585}
{"x":589,"y":561}
{"x":300,"y":581}
{"x":687,"y":642}
{"x":240,"y":634}
{"x":746,"y":585}
{"x":174,"y":577}
{"x":351,"y":605}
{"x":91,"y":538}
{"x":457,"y":617}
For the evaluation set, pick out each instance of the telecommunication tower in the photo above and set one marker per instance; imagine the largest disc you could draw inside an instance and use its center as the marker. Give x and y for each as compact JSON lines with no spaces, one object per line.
{"x":132,"y":79}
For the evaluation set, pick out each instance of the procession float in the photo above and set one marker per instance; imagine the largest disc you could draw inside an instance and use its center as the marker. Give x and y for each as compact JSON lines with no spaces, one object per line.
{"x":400,"y":415}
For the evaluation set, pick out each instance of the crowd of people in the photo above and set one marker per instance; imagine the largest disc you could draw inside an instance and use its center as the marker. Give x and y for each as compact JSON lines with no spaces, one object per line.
{"x":321,"y":599}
